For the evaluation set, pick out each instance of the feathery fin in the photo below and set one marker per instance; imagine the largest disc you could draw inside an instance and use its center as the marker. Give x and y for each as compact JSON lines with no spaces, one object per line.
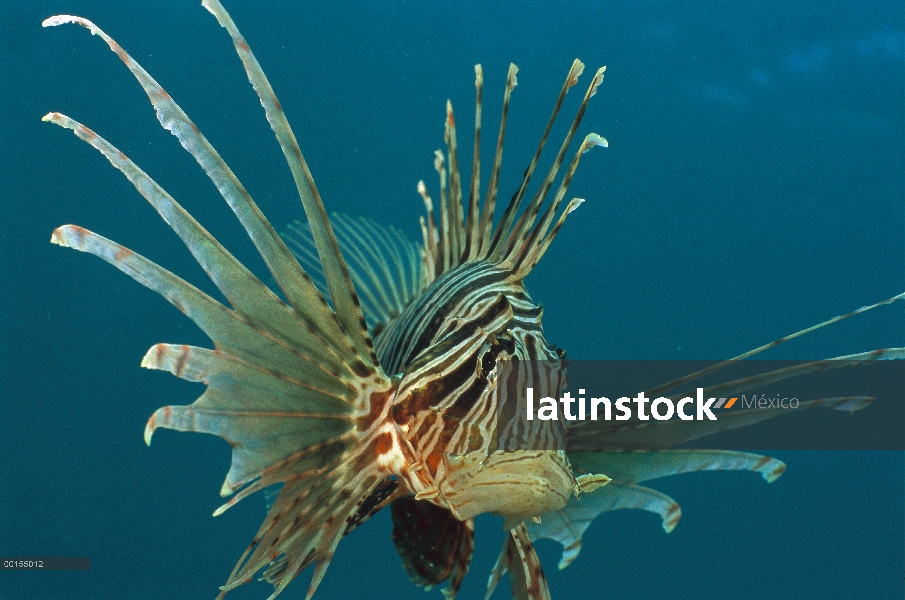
{"x":384,"y":265}
{"x":339,"y":281}
{"x":502,"y":231}
{"x":628,"y":470}
{"x":289,"y":276}
{"x":472,"y":231}
{"x":456,"y":220}
{"x":475,"y":239}
{"x":516,"y":248}
{"x":248,"y":296}
{"x":493,"y":185}
{"x":296,"y":390}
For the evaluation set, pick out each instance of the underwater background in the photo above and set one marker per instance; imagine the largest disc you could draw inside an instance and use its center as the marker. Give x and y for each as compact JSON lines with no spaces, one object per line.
{"x":753,"y":187}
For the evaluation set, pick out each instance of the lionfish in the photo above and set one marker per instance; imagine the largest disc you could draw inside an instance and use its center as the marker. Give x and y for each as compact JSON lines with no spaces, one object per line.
{"x":373,"y":382}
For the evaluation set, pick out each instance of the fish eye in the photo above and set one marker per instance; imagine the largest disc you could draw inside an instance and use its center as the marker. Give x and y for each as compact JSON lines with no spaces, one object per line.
{"x":488,"y":363}
{"x":488,"y":357}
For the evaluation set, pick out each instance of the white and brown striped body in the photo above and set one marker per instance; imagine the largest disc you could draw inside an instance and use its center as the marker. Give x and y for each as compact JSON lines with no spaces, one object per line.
{"x":451,"y":344}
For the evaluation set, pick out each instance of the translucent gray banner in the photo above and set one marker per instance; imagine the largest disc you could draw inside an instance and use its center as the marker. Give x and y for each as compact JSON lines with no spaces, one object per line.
{"x":852,"y":403}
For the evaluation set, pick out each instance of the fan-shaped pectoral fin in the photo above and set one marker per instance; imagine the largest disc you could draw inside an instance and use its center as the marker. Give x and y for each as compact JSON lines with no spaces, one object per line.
{"x":627,"y":469}
{"x":568,"y":524}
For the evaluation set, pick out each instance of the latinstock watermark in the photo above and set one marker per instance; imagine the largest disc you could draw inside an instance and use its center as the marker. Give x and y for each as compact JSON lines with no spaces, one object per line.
{"x":661,"y":408}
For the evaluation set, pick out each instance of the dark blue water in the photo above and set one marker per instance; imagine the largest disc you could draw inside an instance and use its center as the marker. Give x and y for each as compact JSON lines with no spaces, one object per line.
{"x":753,"y":186}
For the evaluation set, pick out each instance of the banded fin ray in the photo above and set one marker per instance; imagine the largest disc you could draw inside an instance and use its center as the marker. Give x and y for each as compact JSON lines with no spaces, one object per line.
{"x":499,"y":236}
{"x":294,"y":283}
{"x":230,"y":332}
{"x":339,"y":282}
{"x":311,"y":329}
{"x":519,"y":245}
{"x":325,"y":479}
{"x":472,"y":231}
{"x":486,"y":222}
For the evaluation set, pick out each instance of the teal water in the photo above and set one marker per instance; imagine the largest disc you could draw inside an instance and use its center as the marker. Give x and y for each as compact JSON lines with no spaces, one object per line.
{"x":753,"y":187}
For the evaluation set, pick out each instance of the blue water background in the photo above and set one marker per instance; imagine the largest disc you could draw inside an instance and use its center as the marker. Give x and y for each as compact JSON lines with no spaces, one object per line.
{"x":753,"y":186}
